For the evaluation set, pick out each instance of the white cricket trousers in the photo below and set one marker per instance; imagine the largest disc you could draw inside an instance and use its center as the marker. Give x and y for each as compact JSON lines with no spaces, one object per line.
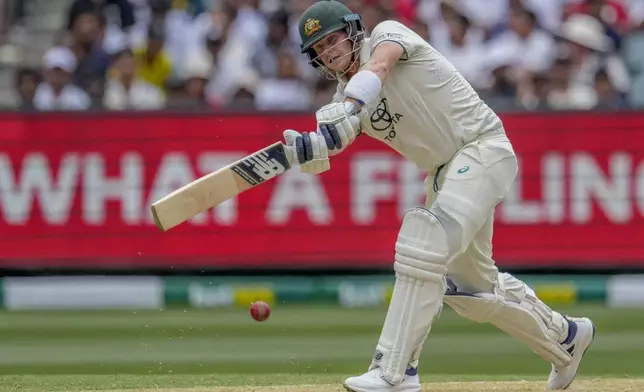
{"x":462,"y":197}
{"x":467,"y":189}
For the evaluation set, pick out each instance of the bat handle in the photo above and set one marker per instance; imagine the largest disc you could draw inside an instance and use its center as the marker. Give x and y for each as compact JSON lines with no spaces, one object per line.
{"x":351,"y":108}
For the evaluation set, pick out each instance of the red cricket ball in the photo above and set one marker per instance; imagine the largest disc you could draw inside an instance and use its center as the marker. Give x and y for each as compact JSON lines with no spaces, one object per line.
{"x":260,"y":311}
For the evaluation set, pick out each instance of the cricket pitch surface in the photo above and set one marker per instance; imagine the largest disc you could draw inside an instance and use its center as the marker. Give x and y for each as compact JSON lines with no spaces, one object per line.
{"x":107,"y":384}
{"x":605,"y":385}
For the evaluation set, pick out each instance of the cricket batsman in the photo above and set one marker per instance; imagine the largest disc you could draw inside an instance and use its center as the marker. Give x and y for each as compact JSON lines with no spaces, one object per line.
{"x":395,"y":87}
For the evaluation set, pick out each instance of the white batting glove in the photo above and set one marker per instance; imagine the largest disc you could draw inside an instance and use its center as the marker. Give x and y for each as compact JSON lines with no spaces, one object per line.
{"x":338,"y":125}
{"x":308,"y":150}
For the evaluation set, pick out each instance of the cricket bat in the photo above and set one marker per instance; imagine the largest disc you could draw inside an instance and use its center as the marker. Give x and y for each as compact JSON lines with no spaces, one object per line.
{"x":213,"y":189}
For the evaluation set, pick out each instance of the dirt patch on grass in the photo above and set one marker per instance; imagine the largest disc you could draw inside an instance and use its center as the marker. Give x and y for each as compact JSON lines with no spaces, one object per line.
{"x":603,"y":385}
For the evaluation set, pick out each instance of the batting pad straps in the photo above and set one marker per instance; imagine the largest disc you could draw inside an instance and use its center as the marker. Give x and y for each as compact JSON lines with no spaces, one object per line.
{"x":365,"y":87}
{"x":514,"y":309}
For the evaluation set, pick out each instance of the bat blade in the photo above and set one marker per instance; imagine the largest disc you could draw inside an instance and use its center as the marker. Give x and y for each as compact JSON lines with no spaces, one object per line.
{"x":214,"y":188}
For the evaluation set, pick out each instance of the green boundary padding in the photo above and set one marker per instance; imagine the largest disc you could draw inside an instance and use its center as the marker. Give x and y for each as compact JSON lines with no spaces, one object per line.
{"x":338,"y":289}
{"x":590,"y":288}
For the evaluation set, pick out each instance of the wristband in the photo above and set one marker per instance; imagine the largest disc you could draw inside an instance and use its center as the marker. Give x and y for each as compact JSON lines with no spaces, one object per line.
{"x":364,"y":87}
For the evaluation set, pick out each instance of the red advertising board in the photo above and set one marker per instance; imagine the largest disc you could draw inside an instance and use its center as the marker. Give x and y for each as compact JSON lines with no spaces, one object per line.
{"x":75,"y":192}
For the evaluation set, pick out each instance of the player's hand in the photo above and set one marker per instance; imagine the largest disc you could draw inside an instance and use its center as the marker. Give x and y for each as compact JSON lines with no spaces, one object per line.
{"x":309,"y":150}
{"x":338,"y":124}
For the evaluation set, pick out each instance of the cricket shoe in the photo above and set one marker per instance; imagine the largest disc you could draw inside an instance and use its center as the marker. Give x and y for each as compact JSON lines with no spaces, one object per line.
{"x":372,"y":381}
{"x":581,"y":332}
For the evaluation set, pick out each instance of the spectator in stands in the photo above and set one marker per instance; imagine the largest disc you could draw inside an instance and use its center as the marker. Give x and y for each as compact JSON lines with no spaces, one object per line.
{"x":154,"y":11}
{"x":85,"y":26}
{"x":465,"y":53}
{"x":591,"y":50}
{"x":549,"y":13}
{"x":505,"y":48}
{"x":182,"y":34}
{"x":182,"y":22}
{"x":57,"y":91}
{"x":504,"y":89}
{"x":125,"y":90}
{"x":613,"y":16}
{"x":636,"y":14}
{"x":214,"y":42}
{"x":533,"y":94}
{"x":526,"y":48}
{"x":124,"y":8}
{"x":250,"y":25}
{"x":484,"y":15}
{"x":195,"y":74}
{"x":232,"y":65}
{"x":564,"y":94}
{"x":607,"y":96}
{"x":285,"y":91}
{"x":264,"y":59}
{"x":441,"y":27}
{"x":612,"y":13}
{"x":26,"y":82}
{"x":119,"y":18}
{"x":153,"y":64}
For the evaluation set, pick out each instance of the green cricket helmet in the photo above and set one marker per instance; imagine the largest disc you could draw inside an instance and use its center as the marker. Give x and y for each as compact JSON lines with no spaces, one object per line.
{"x":326,"y":17}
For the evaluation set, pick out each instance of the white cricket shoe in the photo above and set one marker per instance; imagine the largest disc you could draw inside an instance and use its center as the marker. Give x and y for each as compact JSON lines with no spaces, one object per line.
{"x":372,"y":381}
{"x":561,"y":378}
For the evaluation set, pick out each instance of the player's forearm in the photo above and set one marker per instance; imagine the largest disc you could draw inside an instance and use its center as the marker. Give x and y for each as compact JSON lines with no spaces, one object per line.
{"x":384,"y":59}
{"x":364,"y":87}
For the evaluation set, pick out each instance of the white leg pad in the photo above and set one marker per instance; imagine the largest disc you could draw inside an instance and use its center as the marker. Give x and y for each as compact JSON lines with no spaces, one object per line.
{"x":420,"y":265}
{"x":515,"y":309}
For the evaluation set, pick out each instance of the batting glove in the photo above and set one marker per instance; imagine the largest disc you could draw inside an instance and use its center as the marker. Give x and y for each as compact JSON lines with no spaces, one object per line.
{"x":338,"y":125}
{"x":309,"y":150}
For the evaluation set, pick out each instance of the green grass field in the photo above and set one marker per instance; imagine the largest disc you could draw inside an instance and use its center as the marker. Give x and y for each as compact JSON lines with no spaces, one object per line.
{"x":176,"y":348}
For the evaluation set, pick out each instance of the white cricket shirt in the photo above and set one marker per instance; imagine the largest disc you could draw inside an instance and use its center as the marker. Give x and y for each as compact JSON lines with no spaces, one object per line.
{"x":426,"y":111}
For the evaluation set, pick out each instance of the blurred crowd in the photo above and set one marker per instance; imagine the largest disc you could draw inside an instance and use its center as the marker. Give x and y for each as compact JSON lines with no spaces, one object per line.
{"x":244,"y":54}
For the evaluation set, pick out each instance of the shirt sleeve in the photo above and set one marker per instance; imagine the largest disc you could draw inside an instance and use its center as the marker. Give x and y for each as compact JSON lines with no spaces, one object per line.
{"x":393,"y":31}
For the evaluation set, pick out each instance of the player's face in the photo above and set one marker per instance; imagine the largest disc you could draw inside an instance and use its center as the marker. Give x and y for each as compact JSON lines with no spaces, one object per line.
{"x":335,"y":51}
